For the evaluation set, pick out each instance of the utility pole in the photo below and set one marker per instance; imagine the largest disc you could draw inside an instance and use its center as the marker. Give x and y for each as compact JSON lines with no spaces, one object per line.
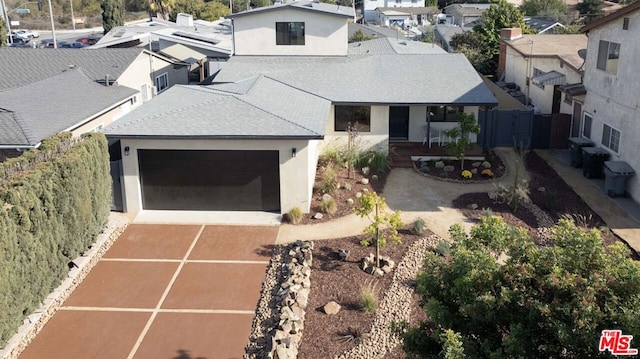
{"x":73,"y":19}
{"x":53,"y":29}
{"x":5,"y":14}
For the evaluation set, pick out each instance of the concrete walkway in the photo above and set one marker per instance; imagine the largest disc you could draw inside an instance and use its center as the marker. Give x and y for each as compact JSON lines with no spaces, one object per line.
{"x":618,"y":220}
{"x":415,"y":196}
{"x":418,"y":196}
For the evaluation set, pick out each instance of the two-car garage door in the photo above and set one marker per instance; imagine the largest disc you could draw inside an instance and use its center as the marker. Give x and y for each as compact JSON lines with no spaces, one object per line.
{"x":210,"y":180}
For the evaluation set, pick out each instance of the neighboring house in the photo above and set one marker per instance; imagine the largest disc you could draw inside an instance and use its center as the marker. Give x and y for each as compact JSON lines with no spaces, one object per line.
{"x":68,"y":101}
{"x":610,"y":109}
{"x":138,"y":69}
{"x":370,"y":6}
{"x":377,"y":32}
{"x":539,"y":65}
{"x":542,"y":25}
{"x":444,"y":33}
{"x":464,"y":14}
{"x":300,"y":28}
{"x":251,"y":140}
{"x":203,"y":45}
{"x":404,"y":17}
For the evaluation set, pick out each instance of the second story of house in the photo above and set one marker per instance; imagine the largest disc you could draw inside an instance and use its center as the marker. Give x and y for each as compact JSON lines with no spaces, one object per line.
{"x":371,"y":5}
{"x":464,"y":14}
{"x":300,"y":28}
{"x":611,"y":66}
{"x":538,"y":64}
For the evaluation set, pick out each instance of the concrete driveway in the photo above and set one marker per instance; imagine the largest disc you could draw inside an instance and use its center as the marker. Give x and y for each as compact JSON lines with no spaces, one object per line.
{"x":164,"y":291}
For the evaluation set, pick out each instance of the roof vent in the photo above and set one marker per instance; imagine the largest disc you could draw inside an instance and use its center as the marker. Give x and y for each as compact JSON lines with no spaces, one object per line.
{"x":184,"y":20}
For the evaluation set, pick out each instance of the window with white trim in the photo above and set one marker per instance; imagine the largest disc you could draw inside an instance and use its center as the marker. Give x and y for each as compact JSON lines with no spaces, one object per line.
{"x":608,"y":54}
{"x":610,"y":138}
{"x":586,"y":125}
{"x":162,"y":82}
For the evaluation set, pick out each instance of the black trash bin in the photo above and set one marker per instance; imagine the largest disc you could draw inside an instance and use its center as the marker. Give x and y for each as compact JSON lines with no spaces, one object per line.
{"x":593,"y":161}
{"x":575,"y":150}
{"x":616,"y":174}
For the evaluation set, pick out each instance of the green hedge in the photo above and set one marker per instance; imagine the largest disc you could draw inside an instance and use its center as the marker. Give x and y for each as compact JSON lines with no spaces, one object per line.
{"x":54,"y":201}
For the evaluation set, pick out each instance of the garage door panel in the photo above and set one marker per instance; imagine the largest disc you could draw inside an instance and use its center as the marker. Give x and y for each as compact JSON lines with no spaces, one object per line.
{"x":210,"y":180}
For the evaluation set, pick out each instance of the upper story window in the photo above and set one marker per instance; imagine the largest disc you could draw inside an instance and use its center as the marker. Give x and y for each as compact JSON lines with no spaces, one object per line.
{"x":608,"y":54}
{"x":586,"y":125}
{"x":358,"y":116}
{"x":162,"y":82}
{"x":289,"y":33}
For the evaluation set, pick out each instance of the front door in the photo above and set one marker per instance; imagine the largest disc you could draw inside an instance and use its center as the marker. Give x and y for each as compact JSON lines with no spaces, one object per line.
{"x":399,"y":122}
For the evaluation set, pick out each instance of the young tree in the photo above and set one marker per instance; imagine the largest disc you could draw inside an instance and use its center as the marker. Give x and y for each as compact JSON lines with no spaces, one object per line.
{"x":384,"y":224}
{"x":112,"y":14}
{"x":466,"y":125}
{"x":506,"y":297}
{"x":551,"y":8}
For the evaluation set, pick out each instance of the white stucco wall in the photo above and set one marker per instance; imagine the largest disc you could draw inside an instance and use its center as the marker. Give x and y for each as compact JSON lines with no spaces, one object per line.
{"x":371,"y":5}
{"x":145,"y":68}
{"x":378,"y":138}
{"x":296,"y":176}
{"x":325,"y":35}
{"x":106,"y":118}
{"x":517,"y":69}
{"x":613,"y":98}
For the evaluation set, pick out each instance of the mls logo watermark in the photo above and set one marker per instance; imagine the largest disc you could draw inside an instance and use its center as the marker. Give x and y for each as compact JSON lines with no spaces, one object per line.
{"x":616,"y":343}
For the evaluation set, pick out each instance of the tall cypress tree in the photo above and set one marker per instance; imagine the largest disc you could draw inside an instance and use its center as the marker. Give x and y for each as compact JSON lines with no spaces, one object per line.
{"x":3,"y":33}
{"x":112,"y":14}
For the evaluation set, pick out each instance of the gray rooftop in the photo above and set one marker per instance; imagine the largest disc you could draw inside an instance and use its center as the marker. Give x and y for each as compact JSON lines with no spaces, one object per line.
{"x":375,"y":31}
{"x":305,"y":5}
{"x":33,"y":112}
{"x":388,"y":46}
{"x":375,"y":79}
{"x":257,"y":107}
{"x":22,"y":66}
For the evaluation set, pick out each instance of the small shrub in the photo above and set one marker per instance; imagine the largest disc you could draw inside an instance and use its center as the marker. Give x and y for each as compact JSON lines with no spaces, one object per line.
{"x":347,"y":186}
{"x":443,"y":248}
{"x":444,"y":174}
{"x":379,"y":161}
{"x":294,"y":215}
{"x":365,"y":243}
{"x":425,"y":169}
{"x":439,"y":164}
{"x":487,"y":173}
{"x":486,"y":164}
{"x":419,"y":226}
{"x":550,"y":201}
{"x":331,"y":156}
{"x":329,"y":206}
{"x":329,"y":180}
{"x":467,"y":174}
{"x":369,"y":297}
{"x":350,"y":335}
{"x":365,"y":171}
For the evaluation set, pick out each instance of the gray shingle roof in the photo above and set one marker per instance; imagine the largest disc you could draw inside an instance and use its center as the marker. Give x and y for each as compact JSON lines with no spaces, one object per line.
{"x":256,"y":108}
{"x":305,"y":5}
{"x":24,"y":66}
{"x":385,"y":79}
{"x":388,"y":46}
{"x":41,"y":109}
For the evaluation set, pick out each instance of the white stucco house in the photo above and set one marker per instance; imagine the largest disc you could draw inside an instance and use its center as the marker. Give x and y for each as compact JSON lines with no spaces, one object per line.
{"x":540,"y":64}
{"x":370,"y":6}
{"x":610,"y":112}
{"x":250,"y":141}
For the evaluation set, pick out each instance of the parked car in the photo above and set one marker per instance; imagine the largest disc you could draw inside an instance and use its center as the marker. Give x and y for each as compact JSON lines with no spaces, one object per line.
{"x":89,"y":40}
{"x":26,"y":33}
{"x":19,"y":37}
{"x":73,"y":45}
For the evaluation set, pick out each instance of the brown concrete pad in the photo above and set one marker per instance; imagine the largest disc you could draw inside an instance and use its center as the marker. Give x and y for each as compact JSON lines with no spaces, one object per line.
{"x":228,"y":286}
{"x":250,"y":243}
{"x":153,"y":241}
{"x":87,"y":334}
{"x":189,"y":335}
{"x":123,"y":285}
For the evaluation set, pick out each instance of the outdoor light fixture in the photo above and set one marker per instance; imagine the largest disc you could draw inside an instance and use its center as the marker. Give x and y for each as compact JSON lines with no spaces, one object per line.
{"x":126,"y":150}
{"x":293,"y":152}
